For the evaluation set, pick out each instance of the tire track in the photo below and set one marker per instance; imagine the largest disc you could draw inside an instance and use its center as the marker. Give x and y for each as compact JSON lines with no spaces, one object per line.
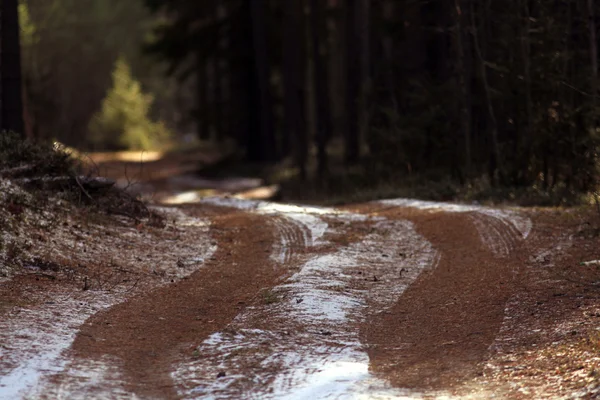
{"x":139,"y":339}
{"x":497,"y":234}
{"x":500,"y":229}
{"x":292,"y":236}
{"x":305,"y":343}
{"x":443,"y":325}
{"x":38,"y":362}
{"x":315,"y":334}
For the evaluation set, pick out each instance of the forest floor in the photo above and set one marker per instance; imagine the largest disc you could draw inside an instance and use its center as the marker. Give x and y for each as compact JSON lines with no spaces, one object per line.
{"x":233,"y":299}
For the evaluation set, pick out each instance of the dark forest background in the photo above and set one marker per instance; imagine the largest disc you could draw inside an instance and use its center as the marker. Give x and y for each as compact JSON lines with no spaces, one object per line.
{"x":468,"y":98}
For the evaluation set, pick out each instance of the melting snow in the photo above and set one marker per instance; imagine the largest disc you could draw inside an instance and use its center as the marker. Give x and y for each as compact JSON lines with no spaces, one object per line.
{"x":521,"y":223}
{"x":307,"y":216}
{"x":34,"y":341}
{"x":313,"y":343}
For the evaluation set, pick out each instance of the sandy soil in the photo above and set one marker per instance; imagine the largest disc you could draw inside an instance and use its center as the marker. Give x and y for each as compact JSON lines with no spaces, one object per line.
{"x":395,"y":299}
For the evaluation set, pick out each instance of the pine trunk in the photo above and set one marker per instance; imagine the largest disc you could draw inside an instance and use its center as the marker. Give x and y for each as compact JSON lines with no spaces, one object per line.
{"x":352,"y":46}
{"x":10,"y":68}
{"x":294,"y":80}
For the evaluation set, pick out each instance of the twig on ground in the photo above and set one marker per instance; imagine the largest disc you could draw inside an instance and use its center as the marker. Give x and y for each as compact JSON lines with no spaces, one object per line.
{"x":134,"y":285}
{"x":83,"y":189}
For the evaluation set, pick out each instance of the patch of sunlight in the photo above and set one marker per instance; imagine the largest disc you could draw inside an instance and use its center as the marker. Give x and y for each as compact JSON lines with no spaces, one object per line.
{"x":260,"y":193}
{"x":339,"y":380}
{"x":188,"y":197}
{"x":127,"y":156}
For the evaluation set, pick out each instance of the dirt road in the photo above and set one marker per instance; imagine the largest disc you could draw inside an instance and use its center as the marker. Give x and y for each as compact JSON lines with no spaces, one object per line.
{"x":391,"y":299}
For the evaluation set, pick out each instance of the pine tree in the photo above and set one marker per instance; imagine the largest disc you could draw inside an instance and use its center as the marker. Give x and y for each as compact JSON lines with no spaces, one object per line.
{"x":123,"y":122}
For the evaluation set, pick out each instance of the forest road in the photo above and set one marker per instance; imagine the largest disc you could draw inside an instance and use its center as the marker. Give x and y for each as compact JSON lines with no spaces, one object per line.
{"x":392,"y":299}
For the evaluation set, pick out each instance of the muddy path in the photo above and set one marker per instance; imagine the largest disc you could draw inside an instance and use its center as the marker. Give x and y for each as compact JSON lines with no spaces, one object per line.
{"x":147,"y":333}
{"x":390,"y":300}
{"x":465,"y":294}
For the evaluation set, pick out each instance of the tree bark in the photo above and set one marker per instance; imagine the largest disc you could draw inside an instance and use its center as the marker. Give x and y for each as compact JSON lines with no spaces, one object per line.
{"x":10,"y":68}
{"x":593,"y":56}
{"x":364,"y":35}
{"x":322,"y":103}
{"x":201,"y":98}
{"x":464,"y":80}
{"x":294,"y":80}
{"x":261,"y":141}
{"x":223,"y":76}
{"x":388,"y":11}
{"x":352,"y":46}
{"x":526,"y":54}
{"x":495,"y":153}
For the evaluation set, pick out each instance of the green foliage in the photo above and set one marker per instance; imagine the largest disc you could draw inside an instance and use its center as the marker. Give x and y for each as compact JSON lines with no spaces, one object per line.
{"x":124,"y":122}
{"x":69,"y":48}
{"x":28,"y":29}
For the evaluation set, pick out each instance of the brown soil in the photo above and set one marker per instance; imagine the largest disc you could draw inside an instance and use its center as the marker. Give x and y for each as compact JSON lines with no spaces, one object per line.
{"x":151,"y":330}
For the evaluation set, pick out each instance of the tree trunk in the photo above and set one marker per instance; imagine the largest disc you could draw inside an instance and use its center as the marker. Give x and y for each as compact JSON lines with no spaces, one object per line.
{"x":223,"y":77}
{"x":495,"y":153}
{"x":526,"y":54}
{"x":10,"y":68}
{"x":261,"y":141}
{"x":387,"y":44}
{"x":364,"y":34}
{"x":212,"y":115}
{"x":201,"y":98}
{"x":294,"y":80}
{"x":352,"y":46}
{"x":464,"y":80}
{"x":322,"y":98}
{"x":593,"y":57}
{"x":336,"y":70}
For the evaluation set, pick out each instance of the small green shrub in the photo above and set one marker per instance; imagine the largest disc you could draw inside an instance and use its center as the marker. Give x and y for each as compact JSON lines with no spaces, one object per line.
{"x":123,"y":123}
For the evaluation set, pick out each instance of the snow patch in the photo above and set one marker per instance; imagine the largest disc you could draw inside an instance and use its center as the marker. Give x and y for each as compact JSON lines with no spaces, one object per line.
{"x":34,"y":340}
{"x":87,"y":379}
{"x":520,"y":222}
{"x":306,"y":215}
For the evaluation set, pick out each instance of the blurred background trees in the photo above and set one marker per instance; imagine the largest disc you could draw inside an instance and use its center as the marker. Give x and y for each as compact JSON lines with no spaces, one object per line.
{"x":382,"y":91}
